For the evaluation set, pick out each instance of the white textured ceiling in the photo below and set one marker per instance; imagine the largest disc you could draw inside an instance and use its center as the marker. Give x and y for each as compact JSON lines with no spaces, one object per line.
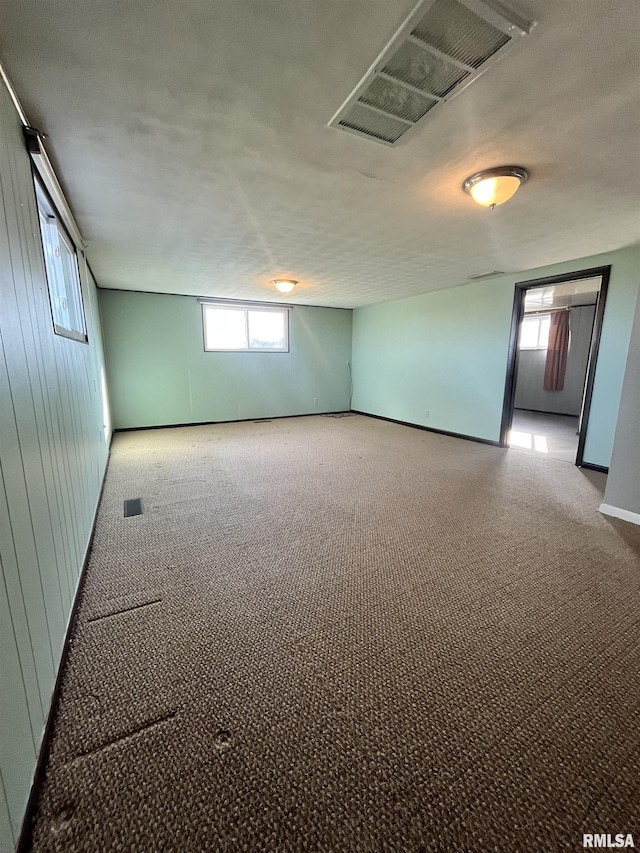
{"x":191,"y":138}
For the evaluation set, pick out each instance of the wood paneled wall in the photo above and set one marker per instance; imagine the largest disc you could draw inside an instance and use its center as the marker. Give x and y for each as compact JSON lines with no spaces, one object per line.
{"x":54,"y":438}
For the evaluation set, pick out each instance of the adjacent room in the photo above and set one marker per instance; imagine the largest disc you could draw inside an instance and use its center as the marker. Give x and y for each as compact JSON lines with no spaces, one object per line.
{"x":319,"y":426}
{"x":557,"y":344}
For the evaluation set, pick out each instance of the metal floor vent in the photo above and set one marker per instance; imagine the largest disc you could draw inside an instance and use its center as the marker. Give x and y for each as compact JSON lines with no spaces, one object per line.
{"x":439,"y":50}
{"x":132,"y":506}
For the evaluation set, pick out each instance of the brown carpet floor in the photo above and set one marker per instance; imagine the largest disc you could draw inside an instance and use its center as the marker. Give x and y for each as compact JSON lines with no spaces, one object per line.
{"x":347,"y":635}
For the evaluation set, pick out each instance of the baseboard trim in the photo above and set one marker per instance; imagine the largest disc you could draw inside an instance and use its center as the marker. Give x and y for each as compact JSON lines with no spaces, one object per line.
{"x":545,"y":412}
{"x":430,"y":429}
{"x":236,"y":421}
{"x":618,"y":512}
{"x":592,"y":467}
{"x":25,"y":839}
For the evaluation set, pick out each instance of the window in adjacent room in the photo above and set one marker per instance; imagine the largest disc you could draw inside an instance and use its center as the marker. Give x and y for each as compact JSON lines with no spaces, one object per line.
{"x":534,"y":332}
{"x":240,"y":328}
{"x":63,"y":277}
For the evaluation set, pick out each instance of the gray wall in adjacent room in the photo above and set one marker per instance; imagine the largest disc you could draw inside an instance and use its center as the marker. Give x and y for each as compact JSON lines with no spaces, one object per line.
{"x":530,"y":393}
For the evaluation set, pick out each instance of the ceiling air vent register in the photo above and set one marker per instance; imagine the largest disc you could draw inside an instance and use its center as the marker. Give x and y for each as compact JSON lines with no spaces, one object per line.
{"x":442,"y":47}
{"x":484,"y":275}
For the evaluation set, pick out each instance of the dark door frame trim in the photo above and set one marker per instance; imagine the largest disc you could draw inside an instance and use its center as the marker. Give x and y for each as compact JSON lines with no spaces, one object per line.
{"x":512,"y":357}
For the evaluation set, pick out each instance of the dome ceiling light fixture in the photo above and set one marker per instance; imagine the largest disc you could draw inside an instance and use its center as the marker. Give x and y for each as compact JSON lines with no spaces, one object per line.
{"x":495,"y":186}
{"x":284,"y":285}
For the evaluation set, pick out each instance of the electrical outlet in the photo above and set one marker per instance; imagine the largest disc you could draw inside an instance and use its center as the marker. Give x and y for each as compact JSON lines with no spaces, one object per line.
{"x":426,"y":414}
{"x":315,"y":401}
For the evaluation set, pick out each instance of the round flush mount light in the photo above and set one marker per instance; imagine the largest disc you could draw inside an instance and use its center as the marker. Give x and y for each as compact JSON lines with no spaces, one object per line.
{"x":284,"y":285}
{"x":495,"y":186}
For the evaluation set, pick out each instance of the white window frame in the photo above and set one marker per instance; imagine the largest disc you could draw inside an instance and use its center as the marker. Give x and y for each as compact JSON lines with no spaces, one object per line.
{"x":49,"y":219}
{"x":539,"y":318}
{"x":246,"y":307}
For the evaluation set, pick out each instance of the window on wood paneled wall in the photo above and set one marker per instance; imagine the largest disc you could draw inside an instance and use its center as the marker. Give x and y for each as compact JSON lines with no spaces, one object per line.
{"x":63,"y":278}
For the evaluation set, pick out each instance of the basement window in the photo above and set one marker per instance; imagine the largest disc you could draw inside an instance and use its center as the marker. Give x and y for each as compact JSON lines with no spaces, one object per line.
{"x":534,"y":332}
{"x":241,"y":328}
{"x":63,"y":276}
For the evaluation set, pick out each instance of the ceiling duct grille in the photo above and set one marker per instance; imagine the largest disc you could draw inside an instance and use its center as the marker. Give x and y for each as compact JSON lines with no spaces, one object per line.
{"x":442,"y":47}
{"x":483,"y":275}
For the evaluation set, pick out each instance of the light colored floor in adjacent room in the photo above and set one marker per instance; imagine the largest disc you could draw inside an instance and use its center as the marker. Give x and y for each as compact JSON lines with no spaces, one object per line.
{"x":554,"y":436}
{"x":346,"y":635}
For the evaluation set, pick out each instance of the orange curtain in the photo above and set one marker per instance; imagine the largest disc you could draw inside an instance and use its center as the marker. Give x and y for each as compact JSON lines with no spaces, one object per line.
{"x":557,"y":351}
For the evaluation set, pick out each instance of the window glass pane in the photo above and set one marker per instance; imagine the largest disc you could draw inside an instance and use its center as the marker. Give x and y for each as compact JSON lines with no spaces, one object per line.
{"x":534,"y":332}
{"x":543,"y":336}
{"x":55,"y":277}
{"x":71,"y":299}
{"x":61,"y":265}
{"x":267,"y":329}
{"x":225,"y":328}
{"x":529,"y":333}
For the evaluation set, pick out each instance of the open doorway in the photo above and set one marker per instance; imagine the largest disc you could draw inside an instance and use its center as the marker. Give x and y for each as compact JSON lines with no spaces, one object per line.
{"x":553,"y":351}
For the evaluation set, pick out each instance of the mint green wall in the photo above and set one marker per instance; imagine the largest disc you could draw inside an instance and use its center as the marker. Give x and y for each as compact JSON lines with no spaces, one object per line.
{"x":614,"y":346}
{"x":441,"y":353}
{"x":439,"y":359}
{"x":623,"y":482}
{"x":159,"y":373}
